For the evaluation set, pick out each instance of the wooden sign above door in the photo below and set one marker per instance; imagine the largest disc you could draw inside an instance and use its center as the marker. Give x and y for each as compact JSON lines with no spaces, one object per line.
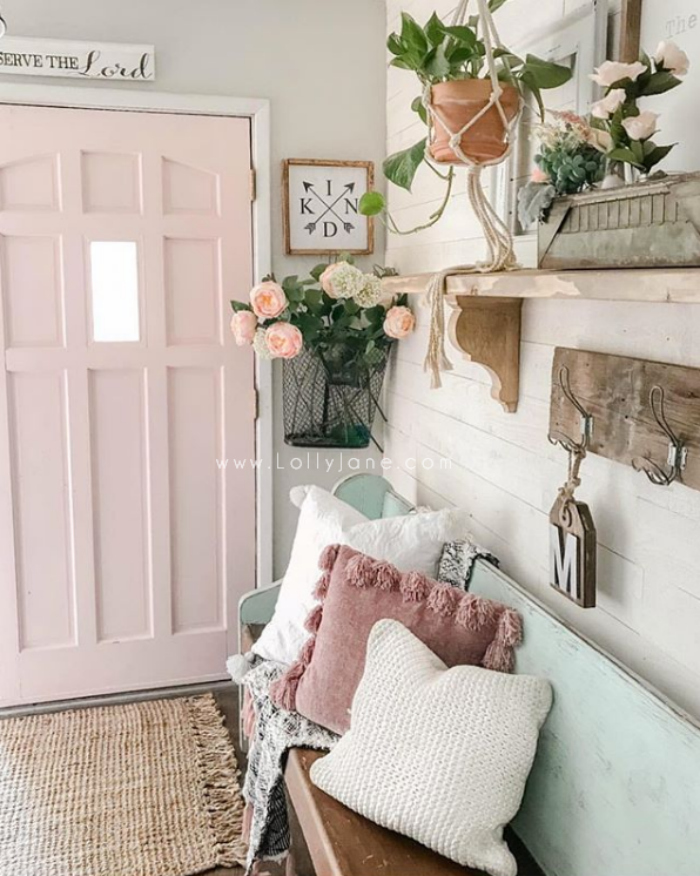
{"x":110,"y":62}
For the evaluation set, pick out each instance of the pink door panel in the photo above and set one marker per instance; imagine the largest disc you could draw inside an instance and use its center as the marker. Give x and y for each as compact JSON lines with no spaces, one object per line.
{"x":124,"y":547}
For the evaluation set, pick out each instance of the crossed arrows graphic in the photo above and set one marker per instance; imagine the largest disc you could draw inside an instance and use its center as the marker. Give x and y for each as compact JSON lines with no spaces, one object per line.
{"x":311,"y":227}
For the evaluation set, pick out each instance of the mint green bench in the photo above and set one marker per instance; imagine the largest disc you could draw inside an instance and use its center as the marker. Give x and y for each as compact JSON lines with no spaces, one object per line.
{"x":615,"y":788}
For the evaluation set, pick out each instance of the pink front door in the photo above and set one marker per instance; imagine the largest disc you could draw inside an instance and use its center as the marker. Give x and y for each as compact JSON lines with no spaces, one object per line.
{"x":124,"y":546}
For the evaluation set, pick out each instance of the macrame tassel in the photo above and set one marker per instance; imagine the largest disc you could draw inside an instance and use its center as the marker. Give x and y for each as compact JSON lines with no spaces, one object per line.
{"x":322,"y":585}
{"x":500,"y":655}
{"x":361,"y":571}
{"x":414,"y":587}
{"x":444,"y":600}
{"x":283,"y":692}
{"x":388,"y":577}
{"x":328,"y":557}
{"x":313,"y":620}
{"x":498,"y":238}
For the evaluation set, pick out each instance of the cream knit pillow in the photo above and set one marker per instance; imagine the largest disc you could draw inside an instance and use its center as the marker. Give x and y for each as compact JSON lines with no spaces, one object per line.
{"x":440,"y":755}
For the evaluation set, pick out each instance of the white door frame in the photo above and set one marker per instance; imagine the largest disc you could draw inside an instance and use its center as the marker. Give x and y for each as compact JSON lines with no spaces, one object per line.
{"x":258,"y":111}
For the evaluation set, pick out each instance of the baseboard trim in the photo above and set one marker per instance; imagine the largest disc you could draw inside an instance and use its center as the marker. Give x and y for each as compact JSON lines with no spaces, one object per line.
{"x":139,"y":696}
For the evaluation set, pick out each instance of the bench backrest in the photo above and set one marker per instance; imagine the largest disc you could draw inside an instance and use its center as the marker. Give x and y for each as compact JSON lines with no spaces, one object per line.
{"x":615,"y":790}
{"x":372,"y":496}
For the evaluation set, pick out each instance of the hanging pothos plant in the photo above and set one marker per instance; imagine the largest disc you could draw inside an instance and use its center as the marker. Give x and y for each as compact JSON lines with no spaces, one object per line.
{"x":439,"y":53}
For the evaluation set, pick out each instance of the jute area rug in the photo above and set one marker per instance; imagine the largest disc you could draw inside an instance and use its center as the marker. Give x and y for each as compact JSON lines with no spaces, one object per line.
{"x":145,"y":789}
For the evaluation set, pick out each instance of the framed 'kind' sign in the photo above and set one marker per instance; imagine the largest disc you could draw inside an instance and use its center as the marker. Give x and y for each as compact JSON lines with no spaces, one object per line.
{"x":321,"y":207}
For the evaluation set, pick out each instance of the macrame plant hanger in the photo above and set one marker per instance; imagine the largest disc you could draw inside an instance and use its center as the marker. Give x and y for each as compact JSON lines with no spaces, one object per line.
{"x":499,"y":240}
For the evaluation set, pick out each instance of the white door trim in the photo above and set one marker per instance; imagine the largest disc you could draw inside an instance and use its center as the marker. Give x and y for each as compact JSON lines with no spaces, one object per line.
{"x":258,"y":111}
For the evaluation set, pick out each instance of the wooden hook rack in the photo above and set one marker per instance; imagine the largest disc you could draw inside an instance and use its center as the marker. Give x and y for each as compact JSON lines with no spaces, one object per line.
{"x":619,"y":393}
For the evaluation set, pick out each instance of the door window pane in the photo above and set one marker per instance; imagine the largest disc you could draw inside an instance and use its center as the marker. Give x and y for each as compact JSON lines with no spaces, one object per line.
{"x":115,"y":290}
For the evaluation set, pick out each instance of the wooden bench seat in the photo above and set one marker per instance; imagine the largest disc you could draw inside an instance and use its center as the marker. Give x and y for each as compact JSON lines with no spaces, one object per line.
{"x":342,"y":843}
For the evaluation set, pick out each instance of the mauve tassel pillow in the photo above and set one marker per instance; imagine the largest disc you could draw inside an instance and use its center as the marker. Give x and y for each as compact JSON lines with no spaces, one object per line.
{"x":355,"y":591}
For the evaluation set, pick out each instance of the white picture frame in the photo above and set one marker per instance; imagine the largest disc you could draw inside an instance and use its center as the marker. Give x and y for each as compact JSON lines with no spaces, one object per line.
{"x":321,"y":207}
{"x":578,"y":40}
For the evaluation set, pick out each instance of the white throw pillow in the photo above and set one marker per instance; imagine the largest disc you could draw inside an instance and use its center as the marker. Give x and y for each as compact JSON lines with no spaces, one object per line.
{"x":412,"y":542}
{"x":440,"y":755}
{"x":323,"y":520}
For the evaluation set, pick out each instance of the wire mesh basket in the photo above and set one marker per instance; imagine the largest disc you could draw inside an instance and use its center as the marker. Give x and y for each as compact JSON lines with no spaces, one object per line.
{"x":331,"y":399}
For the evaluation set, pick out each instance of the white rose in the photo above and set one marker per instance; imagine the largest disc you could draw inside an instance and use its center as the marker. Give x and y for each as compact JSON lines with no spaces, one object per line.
{"x":344,"y":281}
{"x":613,"y":71}
{"x":600,"y":140}
{"x":672,"y":58}
{"x":641,"y":127}
{"x":371,"y":293}
{"x":604,"y":108}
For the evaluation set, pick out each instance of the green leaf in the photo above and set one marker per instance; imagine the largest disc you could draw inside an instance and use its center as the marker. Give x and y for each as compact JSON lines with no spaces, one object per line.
{"x":546,"y":74}
{"x":418,"y":107}
{"x":528,"y":80}
{"x":438,"y":67}
{"x":462,"y":33}
{"x":295,"y":294}
{"x":512,"y":60}
{"x":351,"y":307}
{"x":313,"y":298}
{"x":655,"y":155}
{"x":236,"y":306}
{"x":412,"y":34}
{"x":395,"y":45}
{"x":372,"y":203}
{"x":637,"y":149}
{"x":459,"y":54}
{"x":402,"y":64}
{"x":434,"y":30}
{"x":400,"y":168}
{"x":317,"y":271}
{"x":659,"y":83}
{"x":495,"y":4}
{"x":623,"y":154}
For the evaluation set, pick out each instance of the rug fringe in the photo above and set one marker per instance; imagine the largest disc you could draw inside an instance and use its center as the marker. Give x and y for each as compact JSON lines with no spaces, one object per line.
{"x":222,"y":795}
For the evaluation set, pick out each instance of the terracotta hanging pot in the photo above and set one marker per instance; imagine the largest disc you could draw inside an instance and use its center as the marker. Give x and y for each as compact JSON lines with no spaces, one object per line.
{"x":460,"y":101}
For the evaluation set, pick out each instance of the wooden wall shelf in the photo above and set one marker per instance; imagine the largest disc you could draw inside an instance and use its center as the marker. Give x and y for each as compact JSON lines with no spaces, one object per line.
{"x":661,"y":285}
{"x":485,"y":324}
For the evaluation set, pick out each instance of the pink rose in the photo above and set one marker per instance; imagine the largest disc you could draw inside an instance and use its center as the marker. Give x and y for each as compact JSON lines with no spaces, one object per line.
{"x":326,"y":276}
{"x":399,"y":322}
{"x":284,"y":340}
{"x":641,"y":127}
{"x":243,"y":325}
{"x":539,"y":176}
{"x":268,"y":300}
{"x":611,"y":72}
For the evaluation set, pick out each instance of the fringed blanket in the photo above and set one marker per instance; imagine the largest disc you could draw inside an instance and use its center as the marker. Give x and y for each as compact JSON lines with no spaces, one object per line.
{"x":275,"y":732}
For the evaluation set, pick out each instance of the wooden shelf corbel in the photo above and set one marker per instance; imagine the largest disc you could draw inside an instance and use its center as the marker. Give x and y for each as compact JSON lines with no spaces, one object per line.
{"x":487,"y":331}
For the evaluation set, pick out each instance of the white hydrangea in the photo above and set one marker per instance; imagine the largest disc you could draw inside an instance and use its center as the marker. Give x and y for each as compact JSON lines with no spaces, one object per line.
{"x":371,"y":293}
{"x":346,"y":281}
{"x":260,"y":344}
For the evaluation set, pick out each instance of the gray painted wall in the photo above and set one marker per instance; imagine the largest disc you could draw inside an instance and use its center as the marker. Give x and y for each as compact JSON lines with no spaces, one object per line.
{"x":319,"y":62}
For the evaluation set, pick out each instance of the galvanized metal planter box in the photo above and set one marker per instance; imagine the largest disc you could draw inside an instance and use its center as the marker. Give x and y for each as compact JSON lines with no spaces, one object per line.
{"x":645,"y":225}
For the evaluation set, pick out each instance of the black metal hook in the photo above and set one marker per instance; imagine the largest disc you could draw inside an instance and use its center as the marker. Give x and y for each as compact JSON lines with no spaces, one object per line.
{"x":3,"y":26}
{"x":677,"y":451}
{"x":559,"y":438}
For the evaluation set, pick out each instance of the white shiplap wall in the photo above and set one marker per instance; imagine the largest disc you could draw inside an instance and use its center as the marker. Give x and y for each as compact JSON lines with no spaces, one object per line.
{"x":503,"y":470}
